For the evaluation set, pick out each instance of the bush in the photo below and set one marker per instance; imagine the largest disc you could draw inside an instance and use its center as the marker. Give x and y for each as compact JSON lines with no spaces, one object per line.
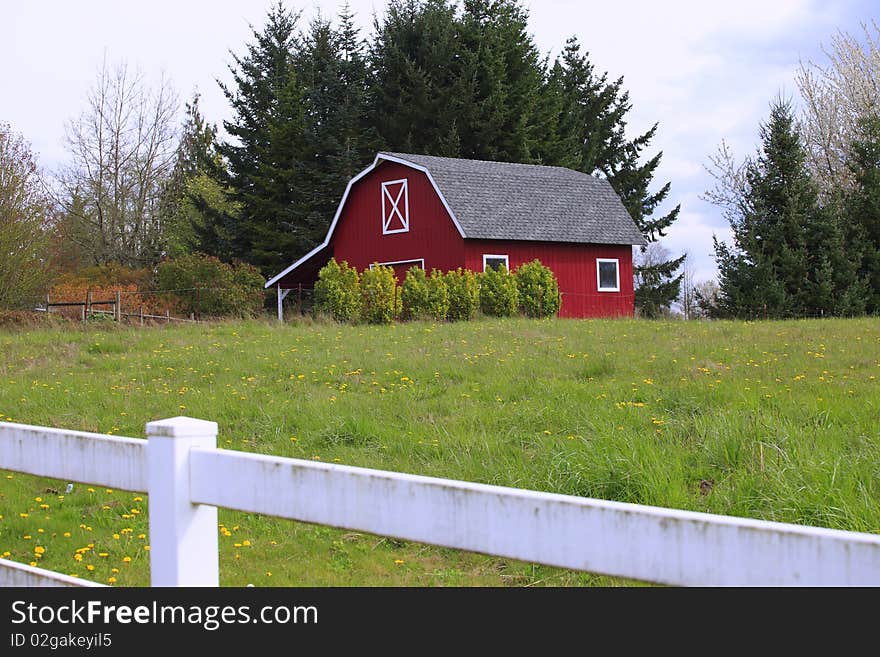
{"x":424,"y":297}
{"x":498,"y":293}
{"x":538,"y":290}
{"x":463,"y":291}
{"x":338,"y":292}
{"x":414,"y":294}
{"x":438,"y":296}
{"x":205,"y":286}
{"x":380,"y":299}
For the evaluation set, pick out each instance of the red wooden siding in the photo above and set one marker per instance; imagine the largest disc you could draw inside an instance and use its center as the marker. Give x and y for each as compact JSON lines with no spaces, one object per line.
{"x":575,"y":269}
{"x":432,"y":235}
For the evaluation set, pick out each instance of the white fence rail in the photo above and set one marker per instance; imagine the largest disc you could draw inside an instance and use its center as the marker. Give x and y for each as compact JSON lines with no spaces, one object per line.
{"x":187,"y":478}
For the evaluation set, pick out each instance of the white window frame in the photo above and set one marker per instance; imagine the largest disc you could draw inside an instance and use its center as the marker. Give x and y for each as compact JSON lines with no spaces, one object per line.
{"x":416,"y":261}
{"x":599,"y":287}
{"x":388,"y":216}
{"x":496,"y":256}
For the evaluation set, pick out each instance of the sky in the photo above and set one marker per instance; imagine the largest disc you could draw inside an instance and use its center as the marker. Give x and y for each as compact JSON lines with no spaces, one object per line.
{"x":704,"y":71}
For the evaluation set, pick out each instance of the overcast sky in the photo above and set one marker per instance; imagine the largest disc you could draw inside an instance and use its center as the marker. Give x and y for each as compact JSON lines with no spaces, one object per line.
{"x":706,"y":71}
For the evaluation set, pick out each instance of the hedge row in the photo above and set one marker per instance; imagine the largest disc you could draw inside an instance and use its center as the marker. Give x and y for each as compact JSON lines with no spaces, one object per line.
{"x":373,"y":296}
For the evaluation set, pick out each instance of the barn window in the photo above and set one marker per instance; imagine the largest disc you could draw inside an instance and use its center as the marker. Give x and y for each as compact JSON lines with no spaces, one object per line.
{"x":495,"y":261}
{"x":395,"y":207}
{"x":608,"y":274}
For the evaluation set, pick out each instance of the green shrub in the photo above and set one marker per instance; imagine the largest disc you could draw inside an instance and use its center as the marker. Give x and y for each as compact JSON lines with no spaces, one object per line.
{"x":438,"y":296}
{"x":538,"y":290}
{"x":464,"y":294}
{"x":498,"y":293}
{"x":414,"y":294}
{"x":424,"y":297}
{"x":379,"y":295}
{"x":337,"y":291}
{"x":205,"y":286}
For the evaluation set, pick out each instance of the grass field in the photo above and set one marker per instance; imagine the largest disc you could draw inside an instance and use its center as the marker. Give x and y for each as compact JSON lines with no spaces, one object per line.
{"x":772,"y":420}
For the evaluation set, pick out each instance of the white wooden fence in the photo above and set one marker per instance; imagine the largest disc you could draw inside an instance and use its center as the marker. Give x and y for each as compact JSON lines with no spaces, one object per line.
{"x":187,"y":478}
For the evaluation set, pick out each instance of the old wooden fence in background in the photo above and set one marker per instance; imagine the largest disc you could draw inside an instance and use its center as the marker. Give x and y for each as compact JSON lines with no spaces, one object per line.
{"x":187,"y":478}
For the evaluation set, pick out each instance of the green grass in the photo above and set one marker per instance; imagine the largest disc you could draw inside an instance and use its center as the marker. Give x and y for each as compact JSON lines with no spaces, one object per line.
{"x":772,"y":420}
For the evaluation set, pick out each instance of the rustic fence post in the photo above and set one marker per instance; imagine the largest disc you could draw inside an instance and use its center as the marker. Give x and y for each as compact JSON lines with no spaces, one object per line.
{"x":167,"y":316}
{"x":141,"y":313}
{"x":89,"y":302}
{"x":118,"y":306}
{"x":47,"y":304}
{"x":183,"y":536}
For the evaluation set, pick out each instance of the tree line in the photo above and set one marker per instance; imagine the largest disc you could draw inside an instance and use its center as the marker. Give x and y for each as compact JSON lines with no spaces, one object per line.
{"x":310,"y":105}
{"x":804,"y":210}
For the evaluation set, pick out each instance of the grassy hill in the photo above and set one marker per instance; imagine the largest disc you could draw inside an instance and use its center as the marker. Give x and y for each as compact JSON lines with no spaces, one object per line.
{"x":772,"y":420}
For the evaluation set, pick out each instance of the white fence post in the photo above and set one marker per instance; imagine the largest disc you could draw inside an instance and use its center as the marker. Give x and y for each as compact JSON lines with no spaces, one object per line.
{"x":183,"y":536}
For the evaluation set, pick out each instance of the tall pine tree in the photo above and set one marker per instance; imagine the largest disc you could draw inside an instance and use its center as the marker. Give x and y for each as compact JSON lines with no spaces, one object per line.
{"x":590,"y":137}
{"x":862,"y":208}
{"x":196,"y":155}
{"x":789,"y":257}
{"x":501,"y":68}
{"x":338,"y":139}
{"x":266,"y":160}
{"x":417,"y":88}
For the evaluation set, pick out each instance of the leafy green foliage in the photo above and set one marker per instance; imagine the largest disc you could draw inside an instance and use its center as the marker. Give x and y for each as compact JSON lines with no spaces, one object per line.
{"x":463,"y":289}
{"x":23,"y":211}
{"x":538,"y":290}
{"x":499,"y":296}
{"x":337,"y":292}
{"x":438,"y":296}
{"x":379,"y":294}
{"x":424,"y":297}
{"x":207,"y":287}
{"x":414,"y":294}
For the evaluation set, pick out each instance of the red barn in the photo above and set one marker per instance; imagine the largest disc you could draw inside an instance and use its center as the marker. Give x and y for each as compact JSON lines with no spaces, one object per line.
{"x":443,"y":213}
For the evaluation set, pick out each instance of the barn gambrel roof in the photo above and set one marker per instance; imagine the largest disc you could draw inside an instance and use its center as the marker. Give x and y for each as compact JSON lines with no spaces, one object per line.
{"x":510,"y":201}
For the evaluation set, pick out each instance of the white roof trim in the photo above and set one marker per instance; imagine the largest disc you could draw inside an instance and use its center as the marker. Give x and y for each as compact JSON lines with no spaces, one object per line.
{"x":379,"y":157}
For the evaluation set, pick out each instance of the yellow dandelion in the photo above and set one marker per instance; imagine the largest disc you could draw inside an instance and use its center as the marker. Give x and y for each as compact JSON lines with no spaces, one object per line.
{"x":111,"y":580}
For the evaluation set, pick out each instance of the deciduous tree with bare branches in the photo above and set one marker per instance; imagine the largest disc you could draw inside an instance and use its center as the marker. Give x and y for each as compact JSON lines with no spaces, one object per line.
{"x":836,"y":95}
{"x":121,"y":150}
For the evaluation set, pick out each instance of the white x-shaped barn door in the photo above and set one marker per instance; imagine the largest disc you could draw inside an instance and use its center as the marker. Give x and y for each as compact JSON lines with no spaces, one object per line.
{"x":395,"y":206}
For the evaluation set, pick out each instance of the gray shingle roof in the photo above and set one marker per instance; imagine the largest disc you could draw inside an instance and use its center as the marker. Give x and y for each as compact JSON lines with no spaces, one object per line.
{"x":508,"y":201}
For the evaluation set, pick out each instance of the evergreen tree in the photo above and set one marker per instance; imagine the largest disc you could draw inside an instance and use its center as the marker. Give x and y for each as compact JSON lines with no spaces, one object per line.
{"x":196,"y":154}
{"x":591,"y":123}
{"x":789,"y":257}
{"x":862,"y":208}
{"x":417,"y":91}
{"x":338,"y":141}
{"x":266,"y":161}
{"x":501,"y":68}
